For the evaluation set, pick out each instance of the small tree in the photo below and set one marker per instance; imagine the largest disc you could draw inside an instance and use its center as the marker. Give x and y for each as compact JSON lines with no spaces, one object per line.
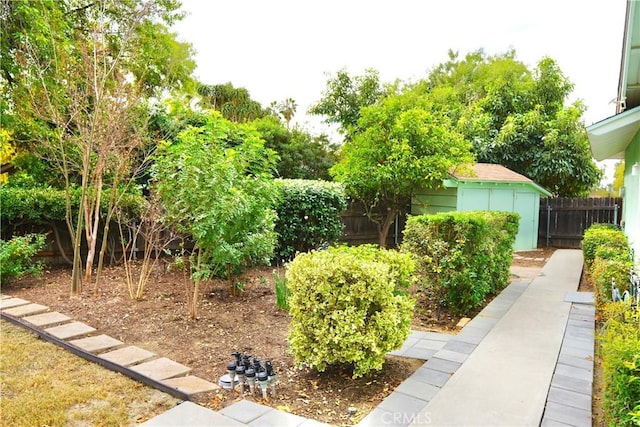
{"x":216,"y":186}
{"x":401,"y":147}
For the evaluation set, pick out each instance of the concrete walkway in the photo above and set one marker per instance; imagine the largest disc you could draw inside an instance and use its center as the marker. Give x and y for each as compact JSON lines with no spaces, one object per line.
{"x":525,"y":360}
{"x":506,"y":380}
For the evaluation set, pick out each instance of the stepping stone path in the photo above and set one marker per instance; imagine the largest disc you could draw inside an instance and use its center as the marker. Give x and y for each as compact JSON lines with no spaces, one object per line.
{"x":85,"y":337}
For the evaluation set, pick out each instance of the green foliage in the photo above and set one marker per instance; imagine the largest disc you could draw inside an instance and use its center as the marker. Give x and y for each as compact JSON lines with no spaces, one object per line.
{"x":302,"y":156}
{"x":462,"y":257}
{"x":620,"y":351}
{"x":603,"y":271}
{"x":216,"y":187}
{"x":308,"y":215}
{"x":16,"y":257}
{"x":234,"y":104}
{"x":401,"y":146}
{"x":345,"y":309}
{"x":346,"y":95}
{"x":45,"y":204}
{"x":282,"y":290}
{"x":517,"y":117}
{"x":611,"y":243}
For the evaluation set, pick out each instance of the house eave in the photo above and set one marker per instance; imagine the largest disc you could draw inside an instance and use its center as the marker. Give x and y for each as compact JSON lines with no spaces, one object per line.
{"x":609,"y":138}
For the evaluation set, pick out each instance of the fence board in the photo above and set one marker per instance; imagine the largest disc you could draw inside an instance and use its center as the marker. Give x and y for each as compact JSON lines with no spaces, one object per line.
{"x":562,"y":221}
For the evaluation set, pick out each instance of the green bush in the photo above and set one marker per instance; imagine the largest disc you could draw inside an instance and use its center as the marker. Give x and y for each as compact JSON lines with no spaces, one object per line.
{"x":611,"y":242}
{"x":308,"y":216}
{"x":44,"y":204}
{"x":603,"y":271}
{"x":620,"y":352}
{"x":345,"y":308}
{"x":16,"y":257}
{"x":462,"y":256}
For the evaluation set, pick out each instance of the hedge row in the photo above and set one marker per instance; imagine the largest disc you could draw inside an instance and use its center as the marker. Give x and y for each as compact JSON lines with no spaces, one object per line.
{"x":308,"y":212}
{"x":607,"y":257}
{"x":462,"y":257}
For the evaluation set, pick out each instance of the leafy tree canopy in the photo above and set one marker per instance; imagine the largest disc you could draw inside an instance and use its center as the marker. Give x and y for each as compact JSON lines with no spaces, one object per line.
{"x":517,"y":117}
{"x":345,"y":95}
{"x":403,"y":143}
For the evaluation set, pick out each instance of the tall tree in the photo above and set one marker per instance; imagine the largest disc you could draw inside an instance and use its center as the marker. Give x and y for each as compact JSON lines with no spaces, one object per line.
{"x":301,"y":155}
{"x":517,"y":117}
{"x":345,"y":95}
{"x":402,"y":145}
{"x":74,"y":77}
{"x":235,"y":104}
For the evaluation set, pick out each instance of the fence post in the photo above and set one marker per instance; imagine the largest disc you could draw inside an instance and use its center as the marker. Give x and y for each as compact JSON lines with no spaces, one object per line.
{"x":548,"y":223}
{"x":615,"y":214}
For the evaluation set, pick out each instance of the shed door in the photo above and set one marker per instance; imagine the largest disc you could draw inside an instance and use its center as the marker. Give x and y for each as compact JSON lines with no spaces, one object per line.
{"x":527,"y":237}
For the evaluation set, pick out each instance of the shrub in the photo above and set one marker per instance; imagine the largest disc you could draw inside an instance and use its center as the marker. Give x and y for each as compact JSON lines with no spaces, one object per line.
{"x":462,"y":256}
{"x":620,"y":352}
{"x":308,"y":216}
{"x":612,"y":243}
{"x":345,"y":309}
{"x":16,"y":256}
{"x":603,"y":271}
{"x":44,"y":204}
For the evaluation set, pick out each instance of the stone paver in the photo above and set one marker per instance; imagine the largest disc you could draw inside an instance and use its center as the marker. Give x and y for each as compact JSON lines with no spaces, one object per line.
{"x":12,"y":302}
{"x":568,"y":415}
{"x":46,"y":319}
{"x":128,"y":356}
{"x":245,"y":411}
{"x":277,"y":418}
{"x":189,"y":414}
{"x":161,"y":369}
{"x":191,"y":385}
{"x":25,"y":310}
{"x":70,"y":330}
{"x":97,"y":343}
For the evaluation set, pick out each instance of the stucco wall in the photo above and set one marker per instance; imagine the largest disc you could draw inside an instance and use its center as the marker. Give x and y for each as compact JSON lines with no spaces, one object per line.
{"x":631,"y":207}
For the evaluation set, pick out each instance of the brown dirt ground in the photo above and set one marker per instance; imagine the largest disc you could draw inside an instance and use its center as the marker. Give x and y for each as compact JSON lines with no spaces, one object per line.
{"x":250,"y":323}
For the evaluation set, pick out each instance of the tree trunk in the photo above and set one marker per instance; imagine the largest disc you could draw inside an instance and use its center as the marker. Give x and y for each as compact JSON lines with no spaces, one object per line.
{"x":383,"y":230}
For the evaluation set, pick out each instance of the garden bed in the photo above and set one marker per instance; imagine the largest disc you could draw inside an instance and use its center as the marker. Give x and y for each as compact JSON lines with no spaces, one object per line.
{"x":250,"y":323}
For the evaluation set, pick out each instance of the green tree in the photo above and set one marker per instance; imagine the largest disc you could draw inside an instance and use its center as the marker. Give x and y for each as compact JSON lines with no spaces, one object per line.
{"x":216,"y":187}
{"x":235,"y":104}
{"x":75,"y":78}
{"x":402,"y":145}
{"x":345,"y":95}
{"x":301,"y":155}
{"x":518,"y":118}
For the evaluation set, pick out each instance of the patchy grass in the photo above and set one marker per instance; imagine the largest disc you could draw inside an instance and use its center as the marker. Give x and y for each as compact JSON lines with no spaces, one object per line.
{"x":42,"y":384}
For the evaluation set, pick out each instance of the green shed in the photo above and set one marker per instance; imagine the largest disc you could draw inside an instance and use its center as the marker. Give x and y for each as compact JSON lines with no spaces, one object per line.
{"x":487,"y":187}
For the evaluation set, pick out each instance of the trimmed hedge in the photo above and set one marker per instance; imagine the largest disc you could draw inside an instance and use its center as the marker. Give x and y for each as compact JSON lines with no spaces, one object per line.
{"x":620,"y":353}
{"x":308,"y":216}
{"x":462,"y":257}
{"x":607,"y":256}
{"x":609,"y":240}
{"x":345,"y":308}
{"x":44,"y":204}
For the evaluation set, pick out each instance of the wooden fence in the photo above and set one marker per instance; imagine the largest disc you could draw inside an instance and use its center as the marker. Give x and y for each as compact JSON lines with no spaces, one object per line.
{"x":359,"y":229}
{"x":563,"y":220}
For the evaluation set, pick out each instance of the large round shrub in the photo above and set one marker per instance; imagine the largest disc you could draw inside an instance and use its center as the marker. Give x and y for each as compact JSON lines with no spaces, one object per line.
{"x":346,"y":308}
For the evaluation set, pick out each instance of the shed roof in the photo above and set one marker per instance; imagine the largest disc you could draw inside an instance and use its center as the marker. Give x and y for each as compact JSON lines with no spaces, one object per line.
{"x":488,"y":172}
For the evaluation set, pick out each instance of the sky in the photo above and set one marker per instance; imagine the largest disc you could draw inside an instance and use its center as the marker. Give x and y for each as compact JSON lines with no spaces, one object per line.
{"x":279,"y":49}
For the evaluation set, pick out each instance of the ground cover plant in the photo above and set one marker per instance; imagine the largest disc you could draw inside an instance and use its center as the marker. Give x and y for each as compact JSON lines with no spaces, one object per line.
{"x":250,"y":323}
